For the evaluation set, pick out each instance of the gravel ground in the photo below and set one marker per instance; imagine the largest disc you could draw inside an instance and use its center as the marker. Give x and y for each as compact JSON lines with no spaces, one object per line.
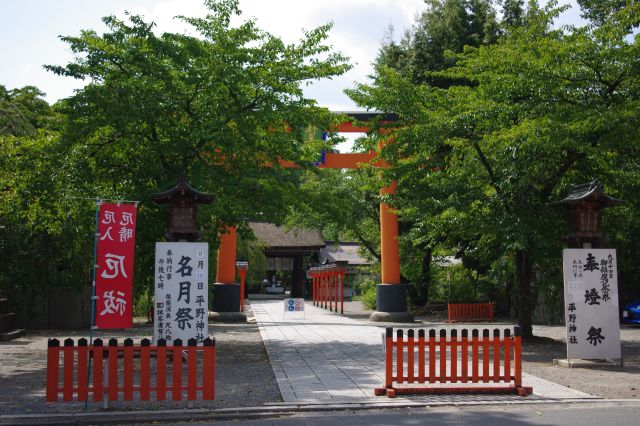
{"x":245,"y":377}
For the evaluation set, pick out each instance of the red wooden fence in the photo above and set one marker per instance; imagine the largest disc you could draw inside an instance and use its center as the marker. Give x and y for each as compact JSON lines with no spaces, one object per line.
{"x":119,"y":364}
{"x":440,"y":365}
{"x":328,"y":287}
{"x":460,"y":312}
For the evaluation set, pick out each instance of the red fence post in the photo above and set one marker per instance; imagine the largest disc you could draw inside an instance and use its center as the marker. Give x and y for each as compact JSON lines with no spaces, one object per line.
{"x":176,"y":371}
{"x":388,"y":357}
{"x":443,"y":355}
{"x":208,"y":369}
{"x":83,"y":370}
{"x":335,"y":290}
{"x":128,"y":370}
{"x":399,"y":356}
{"x":432,"y":356}
{"x":145,"y":374}
{"x":192,"y":370}
{"x":454,"y":356}
{"x":464,"y":355}
{"x":474,"y":355}
{"x":496,"y":355}
{"x":112,"y":385}
{"x":507,"y":356}
{"x":53,"y":369}
{"x":332,"y":280}
{"x":485,"y":355}
{"x":67,"y":370}
{"x":98,"y":355}
{"x":421,"y":359}
{"x":313,"y":286}
{"x":161,"y":370}
{"x":518,"y":356}
{"x":410,"y":354}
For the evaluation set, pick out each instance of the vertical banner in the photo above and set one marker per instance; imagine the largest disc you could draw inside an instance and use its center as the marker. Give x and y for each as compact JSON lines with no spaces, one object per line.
{"x":114,"y":275}
{"x":591,"y":303}
{"x":181,"y":299}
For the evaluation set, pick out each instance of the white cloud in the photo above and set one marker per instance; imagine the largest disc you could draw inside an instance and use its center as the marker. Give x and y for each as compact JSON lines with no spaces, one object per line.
{"x":29,"y":30}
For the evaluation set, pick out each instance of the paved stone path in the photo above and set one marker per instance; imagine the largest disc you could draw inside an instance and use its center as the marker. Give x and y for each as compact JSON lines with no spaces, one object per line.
{"x":322,"y":356}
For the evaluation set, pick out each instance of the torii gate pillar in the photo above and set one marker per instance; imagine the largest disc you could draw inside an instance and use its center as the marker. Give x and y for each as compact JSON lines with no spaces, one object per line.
{"x":226,"y":292}
{"x":391,"y":298}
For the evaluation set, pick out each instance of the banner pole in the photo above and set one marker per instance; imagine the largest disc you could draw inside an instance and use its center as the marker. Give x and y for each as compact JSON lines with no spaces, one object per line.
{"x":93,"y":275}
{"x":93,"y":289}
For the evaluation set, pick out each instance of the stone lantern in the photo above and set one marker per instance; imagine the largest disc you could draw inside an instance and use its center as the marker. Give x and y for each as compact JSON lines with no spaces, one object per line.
{"x":585,"y":204}
{"x":183,"y":200}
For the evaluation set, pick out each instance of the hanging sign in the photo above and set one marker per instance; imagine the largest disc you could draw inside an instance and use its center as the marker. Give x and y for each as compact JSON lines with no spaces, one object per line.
{"x":114,"y":273}
{"x":591,"y":303}
{"x":181,"y":292}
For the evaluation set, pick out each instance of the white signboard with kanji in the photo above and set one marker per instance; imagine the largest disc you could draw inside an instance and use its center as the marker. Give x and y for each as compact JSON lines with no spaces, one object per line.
{"x":181,"y":292}
{"x":591,"y":303}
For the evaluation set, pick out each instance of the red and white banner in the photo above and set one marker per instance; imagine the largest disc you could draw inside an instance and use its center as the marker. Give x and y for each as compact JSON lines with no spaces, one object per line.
{"x":114,"y":274}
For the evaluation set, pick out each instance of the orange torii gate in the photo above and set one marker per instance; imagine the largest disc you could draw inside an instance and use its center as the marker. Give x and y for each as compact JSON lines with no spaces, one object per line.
{"x":390,"y":294}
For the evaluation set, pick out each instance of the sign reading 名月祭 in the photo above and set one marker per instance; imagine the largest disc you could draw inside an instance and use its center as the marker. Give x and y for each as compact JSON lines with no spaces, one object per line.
{"x":114,"y":260}
{"x":181,"y":296}
{"x":591,"y":303}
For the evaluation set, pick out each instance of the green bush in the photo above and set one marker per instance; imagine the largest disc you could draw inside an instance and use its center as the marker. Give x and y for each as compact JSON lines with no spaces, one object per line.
{"x":143,"y":304}
{"x":366,"y":289}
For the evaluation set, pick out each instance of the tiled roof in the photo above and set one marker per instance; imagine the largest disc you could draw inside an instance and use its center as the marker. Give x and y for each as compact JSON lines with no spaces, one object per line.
{"x":275,"y":237}
{"x":344,"y":251}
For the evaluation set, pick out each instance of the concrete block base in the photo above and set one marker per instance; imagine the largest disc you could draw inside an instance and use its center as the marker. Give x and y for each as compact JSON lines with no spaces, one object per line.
{"x":587,"y":363}
{"x":379,"y":316}
{"x":227,"y":317}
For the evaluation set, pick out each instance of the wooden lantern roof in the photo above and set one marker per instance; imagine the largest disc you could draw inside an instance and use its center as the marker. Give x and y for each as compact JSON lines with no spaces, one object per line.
{"x":183,"y":189}
{"x":587,"y":193}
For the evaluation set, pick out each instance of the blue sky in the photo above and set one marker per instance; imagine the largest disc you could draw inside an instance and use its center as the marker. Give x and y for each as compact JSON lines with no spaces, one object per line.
{"x":29,"y":31}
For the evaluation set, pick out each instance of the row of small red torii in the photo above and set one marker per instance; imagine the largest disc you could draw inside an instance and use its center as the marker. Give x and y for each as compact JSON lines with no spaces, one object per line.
{"x":328,"y":286}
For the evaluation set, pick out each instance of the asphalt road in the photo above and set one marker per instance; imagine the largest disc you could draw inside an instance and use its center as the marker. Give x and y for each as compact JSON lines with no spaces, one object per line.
{"x":579,"y":414}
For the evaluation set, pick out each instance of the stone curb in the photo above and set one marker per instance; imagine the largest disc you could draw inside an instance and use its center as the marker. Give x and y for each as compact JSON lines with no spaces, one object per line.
{"x":264,"y":412}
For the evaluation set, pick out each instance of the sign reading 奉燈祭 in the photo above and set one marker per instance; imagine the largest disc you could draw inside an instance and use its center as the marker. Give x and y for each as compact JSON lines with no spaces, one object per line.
{"x":591,"y":303}
{"x":181,"y":295}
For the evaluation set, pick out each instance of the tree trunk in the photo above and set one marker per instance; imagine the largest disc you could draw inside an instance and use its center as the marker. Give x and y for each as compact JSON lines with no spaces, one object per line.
{"x":524,"y":271}
{"x":297,"y":278}
{"x":426,"y":277}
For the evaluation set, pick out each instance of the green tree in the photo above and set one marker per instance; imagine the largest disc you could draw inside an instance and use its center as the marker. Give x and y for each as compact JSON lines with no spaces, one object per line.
{"x":45,"y":237}
{"x":217,"y":107}
{"x":22,"y":111}
{"x":221,"y":106}
{"x":477,"y":163}
{"x":446,"y":25}
{"x":513,"y":13}
{"x":344,"y":204}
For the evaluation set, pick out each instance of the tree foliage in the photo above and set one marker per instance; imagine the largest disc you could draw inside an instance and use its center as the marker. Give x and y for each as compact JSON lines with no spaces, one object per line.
{"x":478,"y":162}
{"x":220,"y":104}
